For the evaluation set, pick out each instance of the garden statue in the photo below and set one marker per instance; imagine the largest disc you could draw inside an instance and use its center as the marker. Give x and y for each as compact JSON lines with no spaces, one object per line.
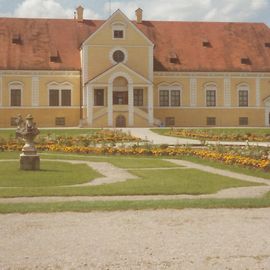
{"x":26,"y":129}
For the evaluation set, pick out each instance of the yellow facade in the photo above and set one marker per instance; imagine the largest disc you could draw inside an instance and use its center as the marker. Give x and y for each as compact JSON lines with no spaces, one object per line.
{"x":116,"y":106}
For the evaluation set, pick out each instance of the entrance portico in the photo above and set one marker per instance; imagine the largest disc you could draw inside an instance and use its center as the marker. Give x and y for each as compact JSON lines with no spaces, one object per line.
{"x":119,"y":85}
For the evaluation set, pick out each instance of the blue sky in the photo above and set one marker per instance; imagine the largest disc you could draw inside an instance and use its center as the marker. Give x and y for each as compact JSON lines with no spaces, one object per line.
{"x":195,"y":10}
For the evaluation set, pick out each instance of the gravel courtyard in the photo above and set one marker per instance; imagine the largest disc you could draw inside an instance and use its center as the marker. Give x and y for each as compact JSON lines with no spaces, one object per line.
{"x":164,"y":239}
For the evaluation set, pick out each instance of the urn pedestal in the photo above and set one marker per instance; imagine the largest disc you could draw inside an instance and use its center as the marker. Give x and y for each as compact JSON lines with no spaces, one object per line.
{"x":29,"y":162}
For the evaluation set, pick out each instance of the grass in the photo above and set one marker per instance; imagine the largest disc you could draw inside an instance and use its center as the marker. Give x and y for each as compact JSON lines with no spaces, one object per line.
{"x":169,"y":182}
{"x":10,"y":133}
{"x":51,"y":174}
{"x":233,"y":168}
{"x":79,"y":206}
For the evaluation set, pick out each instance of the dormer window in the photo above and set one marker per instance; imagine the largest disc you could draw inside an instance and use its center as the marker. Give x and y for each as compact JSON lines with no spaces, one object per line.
{"x":246,"y":61}
{"x":55,"y":56}
{"x":118,"y":30}
{"x":118,"y":34}
{"x":16,"y":39}
{"x":174,"y":58}
{"x":267,"y":44}
{"x":206,"y":43}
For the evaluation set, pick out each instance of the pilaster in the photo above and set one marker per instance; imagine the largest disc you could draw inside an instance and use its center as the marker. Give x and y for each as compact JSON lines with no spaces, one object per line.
{"x":130,"y":105}
{"x":227,"y":91}
{"x":193,"y":91}
{"x":35,"y":91}
{"x":90,"y":104}
{"x":1,"y":92}
{"x":258,"y":93}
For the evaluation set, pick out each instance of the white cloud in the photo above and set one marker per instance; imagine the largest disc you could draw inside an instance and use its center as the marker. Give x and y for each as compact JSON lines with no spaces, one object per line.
{"x":213,"y":10}
{"x":47,"y":9}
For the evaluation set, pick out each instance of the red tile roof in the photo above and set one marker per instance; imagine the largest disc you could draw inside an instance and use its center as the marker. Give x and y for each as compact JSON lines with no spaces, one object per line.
{"x":228,"y":43}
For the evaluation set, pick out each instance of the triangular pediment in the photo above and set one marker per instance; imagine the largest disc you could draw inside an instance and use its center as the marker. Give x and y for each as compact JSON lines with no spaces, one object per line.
{"x":103,"y":35}
{"x":120,"y":70}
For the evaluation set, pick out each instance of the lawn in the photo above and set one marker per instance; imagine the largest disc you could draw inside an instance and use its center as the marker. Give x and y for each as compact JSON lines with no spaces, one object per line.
{"x":51,"y":174}
{"x":150,"y":182}
{"x":153,"y":181}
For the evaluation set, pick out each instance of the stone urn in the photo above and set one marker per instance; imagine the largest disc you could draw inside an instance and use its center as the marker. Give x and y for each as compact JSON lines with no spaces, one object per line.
{"x":26,"y":129}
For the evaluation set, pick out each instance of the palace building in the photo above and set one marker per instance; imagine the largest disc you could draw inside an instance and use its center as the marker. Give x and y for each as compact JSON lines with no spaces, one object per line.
{"x":118,"y":72}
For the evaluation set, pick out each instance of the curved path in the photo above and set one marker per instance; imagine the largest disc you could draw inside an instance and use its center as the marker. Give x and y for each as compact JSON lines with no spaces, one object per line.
{"x":114,"y":174}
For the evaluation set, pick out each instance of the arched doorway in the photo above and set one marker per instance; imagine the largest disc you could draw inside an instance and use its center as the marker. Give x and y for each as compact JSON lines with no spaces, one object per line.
{"x":120,"y":121}
{"x":120,"y":91}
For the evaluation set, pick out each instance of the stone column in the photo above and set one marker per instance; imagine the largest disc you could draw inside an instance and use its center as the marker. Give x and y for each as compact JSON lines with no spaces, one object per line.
{"x":150,"y":105}
{"x":90,"y":104}
{"x":110,"y":105}
{"x":130,"y":105}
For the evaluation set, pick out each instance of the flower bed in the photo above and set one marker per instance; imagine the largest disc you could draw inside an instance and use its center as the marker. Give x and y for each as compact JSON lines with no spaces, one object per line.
{"x":227,"y":158}
{"x":206,"y":135}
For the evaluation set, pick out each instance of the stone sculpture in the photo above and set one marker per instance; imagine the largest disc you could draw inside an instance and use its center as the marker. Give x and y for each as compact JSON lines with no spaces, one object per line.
{"x":26,"y":129}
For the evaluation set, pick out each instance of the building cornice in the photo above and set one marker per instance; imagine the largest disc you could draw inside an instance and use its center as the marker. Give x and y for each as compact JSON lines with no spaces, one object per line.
{"x":40,"y":73}
{"x":212,"y":74}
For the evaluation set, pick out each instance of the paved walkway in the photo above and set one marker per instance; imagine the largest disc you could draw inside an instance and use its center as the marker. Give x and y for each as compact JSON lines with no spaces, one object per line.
{"x":147,"y":134}
{"x":114,"y":174}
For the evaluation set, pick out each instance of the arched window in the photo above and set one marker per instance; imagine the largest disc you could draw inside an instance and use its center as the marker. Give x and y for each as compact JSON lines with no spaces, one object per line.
{"x":15,"y":90}
{"x":243,"y":90}
{"x":211,"y":95}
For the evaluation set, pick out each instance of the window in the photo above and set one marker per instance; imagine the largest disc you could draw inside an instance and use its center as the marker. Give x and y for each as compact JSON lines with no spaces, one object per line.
{"x":15,"y":97}
{"x":118,"y":56}
{"x":245,"y":61}
{"x":170,"y":97}
{"x":210,"y":98}
{"x":60,"y":121}
{"x":99,"y":97}
{"x":243,"y":121}
{"x":164,"y":100}
{"x":118,"y":34}
{"x":169,"y":121}
{"x":243,"y":98}
{"x":138,"y":97}
{"x":211,"y":121}
{"x":59,"y":97}
{"x":65,"y":97}
{"x":175,"y":98}
{"x":54,"y":97}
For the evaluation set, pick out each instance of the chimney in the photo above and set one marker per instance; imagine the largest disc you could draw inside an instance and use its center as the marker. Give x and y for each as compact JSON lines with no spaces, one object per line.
{"x":139,"y":13}
{"x":80,"y":10}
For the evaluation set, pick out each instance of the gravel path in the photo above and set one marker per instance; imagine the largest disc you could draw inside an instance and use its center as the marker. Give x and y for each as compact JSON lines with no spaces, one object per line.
{"x":168,"y":239}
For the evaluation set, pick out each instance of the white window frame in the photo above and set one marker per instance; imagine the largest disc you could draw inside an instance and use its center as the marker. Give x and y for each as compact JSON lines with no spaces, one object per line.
{"x":119,"y":26}
{"x":210,"y":87}
{"x":60,"y":87}
{"x":170,"y":88}
{"x":242,"y":87}
{"x":16,"y":85}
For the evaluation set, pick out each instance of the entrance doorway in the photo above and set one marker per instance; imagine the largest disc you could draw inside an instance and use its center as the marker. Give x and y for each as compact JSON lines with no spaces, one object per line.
{"x":120,"y":121}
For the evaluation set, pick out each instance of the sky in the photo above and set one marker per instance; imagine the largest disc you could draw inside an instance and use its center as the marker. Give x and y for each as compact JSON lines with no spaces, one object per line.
{"x":181,"y":10}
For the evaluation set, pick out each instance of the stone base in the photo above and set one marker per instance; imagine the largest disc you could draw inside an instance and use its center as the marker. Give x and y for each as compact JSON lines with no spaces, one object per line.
{"x":29,"y":163}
